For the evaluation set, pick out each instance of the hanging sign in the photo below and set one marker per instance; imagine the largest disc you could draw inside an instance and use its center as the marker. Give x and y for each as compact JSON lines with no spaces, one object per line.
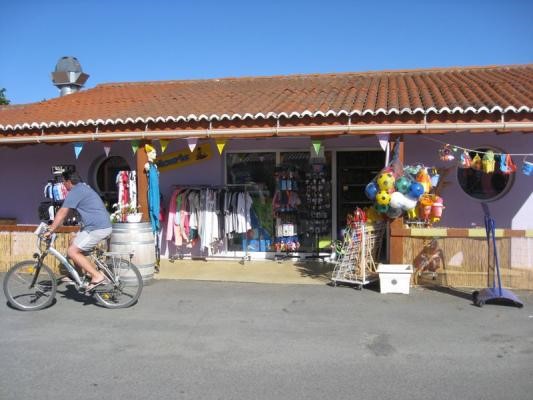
{"x":183,"y":158}
{"x":220,"y":145}
{"x":163,"y":143}
{"x":78,"y":147}
{"x":192,"y":142}
{"x":134,"y":146}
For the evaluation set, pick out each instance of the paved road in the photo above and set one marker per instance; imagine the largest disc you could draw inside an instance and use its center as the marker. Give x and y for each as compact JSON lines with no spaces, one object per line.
{"x":209,"y":340}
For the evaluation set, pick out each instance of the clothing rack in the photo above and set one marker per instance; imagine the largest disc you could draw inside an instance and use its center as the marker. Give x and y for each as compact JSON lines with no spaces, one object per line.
{"x":245,"y":187}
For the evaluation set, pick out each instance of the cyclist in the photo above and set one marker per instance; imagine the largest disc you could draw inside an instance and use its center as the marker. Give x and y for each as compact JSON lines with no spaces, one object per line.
{"x":96,"y":224}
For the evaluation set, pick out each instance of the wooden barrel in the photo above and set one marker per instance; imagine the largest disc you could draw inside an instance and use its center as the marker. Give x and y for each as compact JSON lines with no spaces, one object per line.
{"x":136,"y":237}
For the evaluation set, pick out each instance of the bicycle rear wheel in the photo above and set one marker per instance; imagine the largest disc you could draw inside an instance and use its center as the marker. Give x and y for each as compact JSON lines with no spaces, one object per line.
{"x":126,"y":287}
{"x":29,"y":287}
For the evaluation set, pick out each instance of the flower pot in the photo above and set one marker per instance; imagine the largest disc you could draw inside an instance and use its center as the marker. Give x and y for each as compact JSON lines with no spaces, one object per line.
{"x":134,"y":217}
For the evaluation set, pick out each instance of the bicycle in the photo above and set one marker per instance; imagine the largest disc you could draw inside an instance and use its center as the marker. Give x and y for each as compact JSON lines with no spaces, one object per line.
{"x":31,"y":285}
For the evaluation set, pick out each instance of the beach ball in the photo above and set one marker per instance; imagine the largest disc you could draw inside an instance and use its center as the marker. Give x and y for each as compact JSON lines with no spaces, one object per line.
{"x":416,"y":190}
{"x":396,"y":200}
{"x":381,"y":208}
{"x":409,"y":203}
{"x":385,"y":181}
{"x":394,"y":212}
{"x":383,"y":198}
{"x":402,"y":184}
{"x":371,"y":190}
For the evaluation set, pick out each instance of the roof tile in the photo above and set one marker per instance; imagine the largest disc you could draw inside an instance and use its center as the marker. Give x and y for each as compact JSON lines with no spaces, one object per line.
{"x":447,"y":90}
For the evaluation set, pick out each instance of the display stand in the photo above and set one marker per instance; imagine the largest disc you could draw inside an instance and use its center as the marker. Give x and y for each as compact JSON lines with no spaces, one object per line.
{"x":55,"y":192}
{"x":356,"y":261}
{"x":285,"y":206}
{"x":318,"y":200}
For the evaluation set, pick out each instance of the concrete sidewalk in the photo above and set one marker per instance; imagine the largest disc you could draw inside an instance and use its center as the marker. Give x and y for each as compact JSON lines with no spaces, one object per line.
{"x":255,"y":271}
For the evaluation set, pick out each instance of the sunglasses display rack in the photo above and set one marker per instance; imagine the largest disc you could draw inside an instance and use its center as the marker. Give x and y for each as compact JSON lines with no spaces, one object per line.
{"x":318,"y":204}
{"x":285,"y":207}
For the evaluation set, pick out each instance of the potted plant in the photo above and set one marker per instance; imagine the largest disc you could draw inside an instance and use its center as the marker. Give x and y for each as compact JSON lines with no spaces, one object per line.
{"x":127,"y":213}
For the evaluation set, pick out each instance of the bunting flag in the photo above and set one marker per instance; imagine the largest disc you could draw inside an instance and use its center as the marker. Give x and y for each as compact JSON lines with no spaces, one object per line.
{"x":317,"y":144}
{"x":134,"y":146}
{"x":163,"y":143}
{"x":78,"y":147}
{"x":383,"y":139}
{"x":107,"y":149}
{"x":220,"y":145}
{"x":191,"y":142}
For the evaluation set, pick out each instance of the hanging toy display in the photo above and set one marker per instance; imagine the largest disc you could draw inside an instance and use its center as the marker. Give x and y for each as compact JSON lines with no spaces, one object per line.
{"x":435,"y":177}
{"x":397,"y":191}
{"x":465,"y":161}
{"x":527,"y":167}
{"x":488,"y":162}
{"x":424,"y":208}
{"x":436,"y":209}
{"x":507,"y":166}
{"x":386,"y":181}
{"x":423,"y":178}
{"x":476,"y":163}
{"x":446,"y":154}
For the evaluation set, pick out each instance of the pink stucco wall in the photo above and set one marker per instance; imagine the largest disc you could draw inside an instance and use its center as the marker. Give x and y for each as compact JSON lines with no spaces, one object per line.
{"x":25,"y":170}
{"x":512,"y":210}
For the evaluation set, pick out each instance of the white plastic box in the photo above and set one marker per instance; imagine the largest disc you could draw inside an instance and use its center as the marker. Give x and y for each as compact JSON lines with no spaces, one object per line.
{"x":395,"y":278}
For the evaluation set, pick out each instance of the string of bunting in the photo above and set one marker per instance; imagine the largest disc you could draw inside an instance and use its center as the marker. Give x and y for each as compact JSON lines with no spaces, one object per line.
{"x":487,"y":162}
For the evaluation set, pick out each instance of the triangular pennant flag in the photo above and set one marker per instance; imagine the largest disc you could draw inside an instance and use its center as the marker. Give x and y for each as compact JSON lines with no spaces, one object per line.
{"x":107,"y":149}
{"x":191,"y":142}
{"x":78,"y":147}
{"x":220,"y":145}
{"x":163,"y":143}
{"x":317,"y":144}
{"x":134,"y":146}
{"x":383,"y":139}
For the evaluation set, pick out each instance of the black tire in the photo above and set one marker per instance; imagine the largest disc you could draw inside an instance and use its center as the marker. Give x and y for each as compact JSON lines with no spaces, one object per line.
{"x":17,"y":284}
{"x":127,"y":288}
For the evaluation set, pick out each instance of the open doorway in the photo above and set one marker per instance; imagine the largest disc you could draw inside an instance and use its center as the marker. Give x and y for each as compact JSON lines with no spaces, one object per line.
{"x":354,"y":170}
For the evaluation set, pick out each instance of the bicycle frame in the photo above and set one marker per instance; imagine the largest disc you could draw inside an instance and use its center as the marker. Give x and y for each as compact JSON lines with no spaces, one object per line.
{"x":60,"y":257}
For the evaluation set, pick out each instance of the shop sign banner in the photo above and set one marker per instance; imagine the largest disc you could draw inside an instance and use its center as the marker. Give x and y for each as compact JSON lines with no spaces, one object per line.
{"x":184,"y":157}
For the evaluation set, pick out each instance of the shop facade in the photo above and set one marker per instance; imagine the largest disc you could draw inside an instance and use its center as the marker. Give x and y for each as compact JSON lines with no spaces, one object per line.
{"x":304,"y":171}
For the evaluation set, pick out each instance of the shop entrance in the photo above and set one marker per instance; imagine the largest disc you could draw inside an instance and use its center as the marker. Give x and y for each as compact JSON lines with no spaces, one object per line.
{"x":354,"y":170}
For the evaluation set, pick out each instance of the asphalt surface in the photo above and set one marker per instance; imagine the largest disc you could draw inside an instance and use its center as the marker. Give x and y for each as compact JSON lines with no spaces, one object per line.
{"x":214,"y":340}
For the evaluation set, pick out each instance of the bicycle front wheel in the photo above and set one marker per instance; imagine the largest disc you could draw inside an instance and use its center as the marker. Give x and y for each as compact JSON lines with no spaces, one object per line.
{"x":29,"y":287}
{"x":126,"y":287}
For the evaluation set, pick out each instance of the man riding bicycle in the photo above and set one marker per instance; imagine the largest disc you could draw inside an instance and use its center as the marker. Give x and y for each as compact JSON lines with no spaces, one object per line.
{"x":96,"y":224}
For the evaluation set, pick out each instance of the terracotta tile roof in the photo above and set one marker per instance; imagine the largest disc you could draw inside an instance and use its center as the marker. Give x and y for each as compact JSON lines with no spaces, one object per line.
{"x":450,"y":90}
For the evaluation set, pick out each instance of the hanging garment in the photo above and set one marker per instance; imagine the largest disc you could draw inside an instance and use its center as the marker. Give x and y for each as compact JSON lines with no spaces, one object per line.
{"x":132,"y":185}
{"x":153,"y":197}
{"x":171,"y":215}
{"x":244,"y":203}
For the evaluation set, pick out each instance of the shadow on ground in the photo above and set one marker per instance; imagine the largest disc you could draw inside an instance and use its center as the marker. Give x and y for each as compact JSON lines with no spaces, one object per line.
{"x":315,"y":269}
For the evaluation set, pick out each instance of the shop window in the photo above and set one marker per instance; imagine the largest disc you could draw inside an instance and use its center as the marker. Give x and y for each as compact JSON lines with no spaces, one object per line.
{"x":482,"y":185}
{"x":105,"y":177}
{"x":312,"y":218}
{"x":256,"y":170}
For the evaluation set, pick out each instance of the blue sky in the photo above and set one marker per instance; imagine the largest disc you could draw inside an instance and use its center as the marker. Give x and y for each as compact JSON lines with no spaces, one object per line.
{"x":122,"y":40}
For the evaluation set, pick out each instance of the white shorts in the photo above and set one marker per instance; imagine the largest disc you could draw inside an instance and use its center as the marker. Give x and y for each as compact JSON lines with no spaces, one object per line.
{"x":86,"y":241}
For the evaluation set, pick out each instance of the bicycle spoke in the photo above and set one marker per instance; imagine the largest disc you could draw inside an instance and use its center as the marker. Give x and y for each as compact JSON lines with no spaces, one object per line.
{"x":29,"y":287}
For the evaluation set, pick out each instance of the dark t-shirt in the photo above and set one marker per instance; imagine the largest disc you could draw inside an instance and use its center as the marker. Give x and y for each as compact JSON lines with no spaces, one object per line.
{"x":90,"y":207}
